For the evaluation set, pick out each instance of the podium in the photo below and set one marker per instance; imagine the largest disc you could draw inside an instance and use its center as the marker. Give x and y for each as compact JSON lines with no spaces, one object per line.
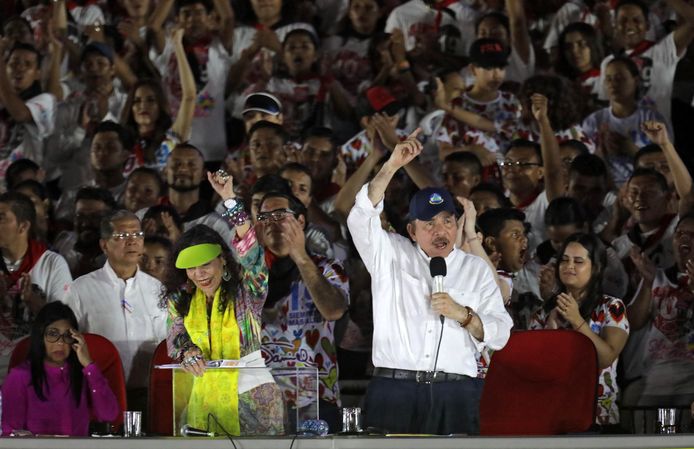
{"x":297,"y":388}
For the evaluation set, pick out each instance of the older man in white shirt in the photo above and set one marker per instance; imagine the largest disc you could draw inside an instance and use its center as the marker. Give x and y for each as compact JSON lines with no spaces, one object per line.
{"x":121,"y":302}
{"x":425,"y":375}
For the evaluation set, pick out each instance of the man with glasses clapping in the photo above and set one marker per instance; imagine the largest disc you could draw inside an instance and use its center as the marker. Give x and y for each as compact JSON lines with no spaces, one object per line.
{"x":306,"y":295}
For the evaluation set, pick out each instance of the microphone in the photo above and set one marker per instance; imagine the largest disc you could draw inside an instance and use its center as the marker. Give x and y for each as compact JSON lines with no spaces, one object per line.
{"x":437,"y":269}
{"x":188,"y":431}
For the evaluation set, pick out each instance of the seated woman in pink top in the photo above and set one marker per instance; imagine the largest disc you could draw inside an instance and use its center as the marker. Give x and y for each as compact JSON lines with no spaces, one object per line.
{"x":58,"y":388}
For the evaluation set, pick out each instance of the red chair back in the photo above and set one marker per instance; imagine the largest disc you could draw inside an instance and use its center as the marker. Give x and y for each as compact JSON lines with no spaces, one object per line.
{"x":105,"y":356}
{"x":160,"y":401}
{"x":543,"y":382}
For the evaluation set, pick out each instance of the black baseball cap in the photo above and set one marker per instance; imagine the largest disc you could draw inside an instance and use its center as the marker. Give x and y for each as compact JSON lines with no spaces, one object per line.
{"x":100,"y":48}
{"x":489,"y":53}
{"x":262,"y":102}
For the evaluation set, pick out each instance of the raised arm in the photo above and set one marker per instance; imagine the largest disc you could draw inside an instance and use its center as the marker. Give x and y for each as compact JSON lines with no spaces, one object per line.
{"x":657,"y":133}
{"x":330,"y":300}
{"x":684,"y":33}
{"x":402,"y":154}
{"x":345,"y":197}
{"x":551,"y":162}
{"x":520,"y":39}
{"x":156,"y":23}
{"x":184,"y":117}
{"x":226,"y":16}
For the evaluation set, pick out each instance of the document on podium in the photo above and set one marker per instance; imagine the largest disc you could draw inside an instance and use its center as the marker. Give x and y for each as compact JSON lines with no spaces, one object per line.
{"x":224,"y":363}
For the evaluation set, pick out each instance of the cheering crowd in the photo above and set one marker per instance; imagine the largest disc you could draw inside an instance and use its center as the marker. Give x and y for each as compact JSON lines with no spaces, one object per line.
{"x":268,"y":180}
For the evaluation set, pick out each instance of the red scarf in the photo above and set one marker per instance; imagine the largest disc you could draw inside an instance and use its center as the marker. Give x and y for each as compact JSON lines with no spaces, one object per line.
{"x":33,"y":254}
{"x":640,"y":49}
{"x":439,"y":7}
{"x":529,"y":200}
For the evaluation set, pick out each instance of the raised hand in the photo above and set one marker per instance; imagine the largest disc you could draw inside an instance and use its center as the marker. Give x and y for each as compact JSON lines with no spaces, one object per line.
{"x":406,"y":151}
{"x":222,"y":183}
{"x":80,"y":348}
{"x":539,"y":106}
{"x":656,"y":132}
{"x":295,"y":238}
{"x":643,"y":264}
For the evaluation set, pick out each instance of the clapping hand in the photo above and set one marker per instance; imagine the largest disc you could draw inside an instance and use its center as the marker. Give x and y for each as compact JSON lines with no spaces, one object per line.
{"x":568,"y":309}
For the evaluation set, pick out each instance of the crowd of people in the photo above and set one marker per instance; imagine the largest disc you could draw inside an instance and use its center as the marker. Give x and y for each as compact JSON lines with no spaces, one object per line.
{"x":269,"y":180}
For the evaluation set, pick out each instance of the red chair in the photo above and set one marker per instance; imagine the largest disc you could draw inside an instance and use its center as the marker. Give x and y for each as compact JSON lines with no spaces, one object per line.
{"x":543,"y":382}
{"x":106,"y":357}
{"x":160,"y":401}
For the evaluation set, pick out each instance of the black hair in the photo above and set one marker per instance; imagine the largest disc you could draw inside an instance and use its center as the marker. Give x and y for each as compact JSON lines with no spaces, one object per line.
{"x":656,"y":175}
{"x":492,"y":222}
{"x":295,"y":166}
{"x":322,"y":132}
{"x":177,"y":286}
{"x":150,"y":172}
{"x":188,"y":146}
{"x":687,"y":216}
{"x":598,"y":258}
{"x":305,"y":32}
{"x":50,"y":313}
{"x":345,"y":28}
{"x":124,"y":136}
{"x":264,"y":124}
{"x":562,"y":66}
{"x":638,"y":3}
{"x":466,"y":158}
{"x":651,"y":148}
{"x":566,"y":102}
{"x":577,"y":145}
{"x":495,"y":190}
{"x":495,"y":15}
{"x":36,"y":188}
{"x":96,"y":194}
{"x":209,"y":6}
{"x":18,"y":167}
{"x":633,"y":69}
{"x":294,"y":203}
{"x":271,"y":183}
{"x":565,"y":211}
{"x":22,"y":207}
{"x":588,"y":165}
{"x":159,"y":240}
{"x":15,"y":18}
{"x":524,"y":143}
{"x":26,"y":47}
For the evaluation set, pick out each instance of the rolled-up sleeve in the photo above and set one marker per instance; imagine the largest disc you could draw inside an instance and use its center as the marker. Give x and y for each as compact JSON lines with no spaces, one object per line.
{"x":370,"y":239}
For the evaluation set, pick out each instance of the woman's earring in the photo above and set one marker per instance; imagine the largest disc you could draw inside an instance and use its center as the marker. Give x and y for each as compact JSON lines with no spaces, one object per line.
{"x":226,"y":275}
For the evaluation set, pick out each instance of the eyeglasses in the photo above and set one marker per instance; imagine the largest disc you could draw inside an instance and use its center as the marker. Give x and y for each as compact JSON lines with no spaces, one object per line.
{"x":52,"y":336}
{"x":120,"y":236}
{"x":508,"y":165}
{"x":275,"y":215}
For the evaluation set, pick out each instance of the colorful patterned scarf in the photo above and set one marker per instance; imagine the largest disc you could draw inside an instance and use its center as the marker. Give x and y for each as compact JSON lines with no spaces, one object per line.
{"x":216,"y":391}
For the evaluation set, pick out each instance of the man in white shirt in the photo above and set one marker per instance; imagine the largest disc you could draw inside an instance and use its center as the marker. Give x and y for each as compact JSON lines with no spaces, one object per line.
{"x":121,"y":302}
{"x":424,"y":380}
{"x":30,"y":275}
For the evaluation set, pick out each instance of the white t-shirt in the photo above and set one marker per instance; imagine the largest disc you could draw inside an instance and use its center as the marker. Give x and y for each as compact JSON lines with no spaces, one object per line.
{"x":660,"y":253}
{"x":417,"y":20}
{"x":535,"y":215}
{"x":657,"y":65}
{"x":25,"y":140}
{"x":626,"y":126}
{"x":208,"y":132}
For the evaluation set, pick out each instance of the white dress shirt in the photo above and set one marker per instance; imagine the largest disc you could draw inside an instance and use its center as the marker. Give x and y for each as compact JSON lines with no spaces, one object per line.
{"x":125,"y":312}
{"x":406,"y":329}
